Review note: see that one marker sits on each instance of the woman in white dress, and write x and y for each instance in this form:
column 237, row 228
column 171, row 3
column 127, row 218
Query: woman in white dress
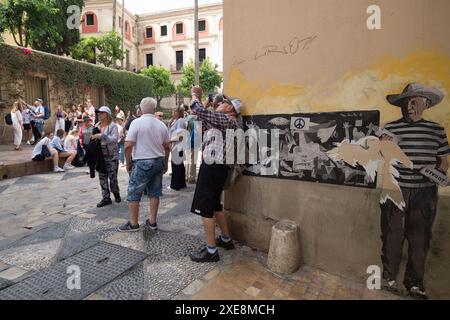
column 17, row 123
column 60, row 116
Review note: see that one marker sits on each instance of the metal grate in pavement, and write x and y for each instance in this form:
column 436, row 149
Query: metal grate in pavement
column 99, row 265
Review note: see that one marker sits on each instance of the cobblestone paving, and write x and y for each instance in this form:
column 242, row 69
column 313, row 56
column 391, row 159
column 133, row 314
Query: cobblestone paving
column 48, row 218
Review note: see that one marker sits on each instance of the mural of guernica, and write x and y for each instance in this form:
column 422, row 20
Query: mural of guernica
column 350, row 148
column 305, row 139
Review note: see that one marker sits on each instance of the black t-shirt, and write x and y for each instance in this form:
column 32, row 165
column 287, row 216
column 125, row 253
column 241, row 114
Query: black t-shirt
column 128, row 123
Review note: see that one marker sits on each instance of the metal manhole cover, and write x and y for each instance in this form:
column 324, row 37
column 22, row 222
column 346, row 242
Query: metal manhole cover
column 99, row 265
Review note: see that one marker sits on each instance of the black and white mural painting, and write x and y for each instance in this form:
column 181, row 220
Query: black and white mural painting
column 305, row 139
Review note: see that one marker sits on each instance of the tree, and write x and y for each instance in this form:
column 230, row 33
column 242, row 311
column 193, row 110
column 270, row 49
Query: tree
column 85, row 50
column 109, row 47
column 42, row 24
column 210, row 78
column 26, row 19
column 59, row 38
column 161, row 84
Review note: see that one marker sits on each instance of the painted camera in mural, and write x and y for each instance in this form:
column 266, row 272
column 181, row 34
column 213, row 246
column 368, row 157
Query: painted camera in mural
column 306, row 139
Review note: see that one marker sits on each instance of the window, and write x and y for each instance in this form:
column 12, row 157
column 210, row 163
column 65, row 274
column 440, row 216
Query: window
column 202, row 55
column 163, row 31
column 149, row 57
column 127, row 26
column 180, row 28
column 179, row 55
column 149, row 32
column 120, row 22
column 202, row 25
column 90, row 19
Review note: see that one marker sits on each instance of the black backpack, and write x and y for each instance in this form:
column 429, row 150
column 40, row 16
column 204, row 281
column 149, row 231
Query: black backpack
column 8, row 119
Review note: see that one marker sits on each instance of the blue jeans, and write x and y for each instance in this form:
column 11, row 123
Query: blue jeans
column 146, row 176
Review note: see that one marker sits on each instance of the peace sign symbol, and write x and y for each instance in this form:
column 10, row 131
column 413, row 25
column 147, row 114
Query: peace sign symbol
column 299, row 123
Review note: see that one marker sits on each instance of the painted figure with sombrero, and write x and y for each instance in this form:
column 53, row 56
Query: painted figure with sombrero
column 426, row 145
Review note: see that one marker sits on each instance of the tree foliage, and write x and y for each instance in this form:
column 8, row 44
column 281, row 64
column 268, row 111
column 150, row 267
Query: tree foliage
column 59, row 38
column 85, row 50
column 210, row 78
column 161, row 84
column 41, row 24
column 109, row 47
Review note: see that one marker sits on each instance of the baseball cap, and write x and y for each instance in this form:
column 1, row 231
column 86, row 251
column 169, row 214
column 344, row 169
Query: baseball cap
column 238, row 105
column 87, row 118
column 39, row 99
column 104, row 109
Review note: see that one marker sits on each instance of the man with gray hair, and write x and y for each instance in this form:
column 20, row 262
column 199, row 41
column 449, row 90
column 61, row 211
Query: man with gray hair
column 147, row 154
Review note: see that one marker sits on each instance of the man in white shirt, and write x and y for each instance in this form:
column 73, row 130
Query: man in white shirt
column 39, row 154
column 147, row 154
column 37, row 118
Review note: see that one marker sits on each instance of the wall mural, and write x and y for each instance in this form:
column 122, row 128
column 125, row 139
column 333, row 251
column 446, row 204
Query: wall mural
column 305, row 140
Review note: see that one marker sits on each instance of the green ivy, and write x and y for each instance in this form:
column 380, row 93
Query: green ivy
column 71, row 77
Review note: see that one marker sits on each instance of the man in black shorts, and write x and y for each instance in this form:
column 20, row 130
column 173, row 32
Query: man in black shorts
column 213, row 173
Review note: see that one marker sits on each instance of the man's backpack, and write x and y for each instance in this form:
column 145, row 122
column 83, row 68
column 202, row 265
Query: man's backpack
column 8, row 119
column 47, row 113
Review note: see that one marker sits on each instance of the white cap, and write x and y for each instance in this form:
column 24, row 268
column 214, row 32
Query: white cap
column 238, row 105
column 105, row 109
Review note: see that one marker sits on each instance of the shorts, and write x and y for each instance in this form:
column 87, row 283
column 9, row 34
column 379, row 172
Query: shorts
column 39, row 157
column 26, row 126
column 146, row 176
column 39, row 126
column 210, row 183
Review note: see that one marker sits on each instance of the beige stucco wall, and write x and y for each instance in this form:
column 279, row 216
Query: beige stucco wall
column 340, row 66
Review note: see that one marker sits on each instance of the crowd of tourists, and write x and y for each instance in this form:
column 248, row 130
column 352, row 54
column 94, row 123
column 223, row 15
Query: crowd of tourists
column 142, row 142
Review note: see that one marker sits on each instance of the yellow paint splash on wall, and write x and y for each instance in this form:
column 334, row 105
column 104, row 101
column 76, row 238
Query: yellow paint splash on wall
column 356, row 90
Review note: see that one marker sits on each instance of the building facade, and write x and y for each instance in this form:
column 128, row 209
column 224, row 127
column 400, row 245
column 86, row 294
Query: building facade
column 160, row 39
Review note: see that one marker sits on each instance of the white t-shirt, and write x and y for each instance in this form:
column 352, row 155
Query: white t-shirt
column 149, row 134
column 38, row 147
column 70, row 143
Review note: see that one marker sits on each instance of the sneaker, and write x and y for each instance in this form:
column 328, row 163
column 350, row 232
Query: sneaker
column 117, row 198
column 390, row 285
column 68, row 166
column 104, row 203
column 153, row 226
column 58, row 169
column 227, row 245
column 128, row 227
column 203, row 255
column 28, row 142
column 418, row 293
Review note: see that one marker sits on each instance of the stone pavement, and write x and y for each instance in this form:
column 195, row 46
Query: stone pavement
column 47, row 219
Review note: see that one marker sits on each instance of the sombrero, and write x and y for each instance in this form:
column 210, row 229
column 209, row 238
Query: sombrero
column 434, row 95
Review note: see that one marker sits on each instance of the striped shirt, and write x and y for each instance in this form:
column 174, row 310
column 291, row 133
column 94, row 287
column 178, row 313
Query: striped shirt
column 422, row 142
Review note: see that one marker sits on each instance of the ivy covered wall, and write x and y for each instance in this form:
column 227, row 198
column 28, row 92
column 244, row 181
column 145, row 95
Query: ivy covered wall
column 68, row 79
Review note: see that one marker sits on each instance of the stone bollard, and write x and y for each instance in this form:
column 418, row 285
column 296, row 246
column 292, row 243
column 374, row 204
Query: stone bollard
column 285, row 250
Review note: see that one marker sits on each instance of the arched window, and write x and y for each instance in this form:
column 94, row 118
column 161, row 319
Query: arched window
column 179, row 31
column 221, row 24
column 90, row 23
